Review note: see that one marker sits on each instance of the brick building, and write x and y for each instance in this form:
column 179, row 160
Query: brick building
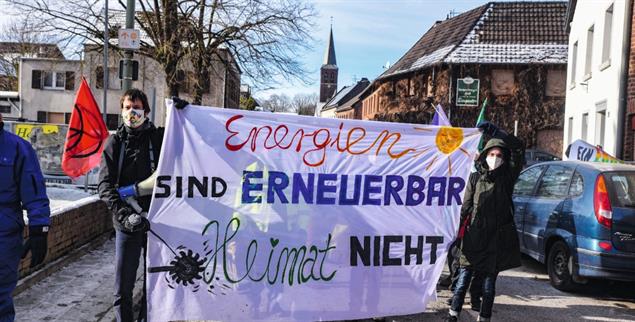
column 516, row 50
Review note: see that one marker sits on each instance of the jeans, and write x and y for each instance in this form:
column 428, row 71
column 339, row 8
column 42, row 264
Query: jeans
column 128, row 248
column 488, row 291
column 10, row 253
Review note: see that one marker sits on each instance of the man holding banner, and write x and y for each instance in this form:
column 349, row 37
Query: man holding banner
column 130, row 156
column 489, row 238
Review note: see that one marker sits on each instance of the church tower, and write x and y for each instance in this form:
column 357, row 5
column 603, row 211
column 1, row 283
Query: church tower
column 328, row 72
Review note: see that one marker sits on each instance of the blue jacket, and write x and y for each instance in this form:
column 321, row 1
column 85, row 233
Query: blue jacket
column 21, row 182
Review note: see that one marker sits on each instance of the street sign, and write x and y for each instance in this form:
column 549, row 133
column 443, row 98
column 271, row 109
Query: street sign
column 467, row 91
column 129, row 39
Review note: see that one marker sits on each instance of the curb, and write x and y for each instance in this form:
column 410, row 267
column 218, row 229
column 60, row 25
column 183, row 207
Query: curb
column 56, row 265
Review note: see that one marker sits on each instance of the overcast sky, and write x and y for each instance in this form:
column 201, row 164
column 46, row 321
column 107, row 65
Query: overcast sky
column 369, row 33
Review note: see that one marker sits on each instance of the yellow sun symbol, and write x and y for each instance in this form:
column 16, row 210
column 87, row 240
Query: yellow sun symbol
column 447, row 140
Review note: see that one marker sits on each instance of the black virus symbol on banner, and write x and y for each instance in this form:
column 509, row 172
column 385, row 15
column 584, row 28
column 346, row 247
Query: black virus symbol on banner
column 185, row 268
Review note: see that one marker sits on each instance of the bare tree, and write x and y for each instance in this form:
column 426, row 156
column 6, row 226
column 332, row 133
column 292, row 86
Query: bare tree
column 304, row 104
column 22, row 38
column 277, row 103
column 265, row 37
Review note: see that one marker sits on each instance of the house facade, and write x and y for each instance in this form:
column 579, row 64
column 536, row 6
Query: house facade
column 514, row 54
column 599, row 42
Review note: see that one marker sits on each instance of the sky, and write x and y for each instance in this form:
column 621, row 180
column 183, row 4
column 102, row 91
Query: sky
column 367, row 34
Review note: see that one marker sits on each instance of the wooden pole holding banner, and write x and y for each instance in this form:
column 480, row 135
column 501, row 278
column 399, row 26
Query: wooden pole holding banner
column 516, row 128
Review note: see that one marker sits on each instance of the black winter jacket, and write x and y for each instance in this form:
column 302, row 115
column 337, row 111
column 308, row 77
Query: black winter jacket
column 490, row 243
column 136, row 164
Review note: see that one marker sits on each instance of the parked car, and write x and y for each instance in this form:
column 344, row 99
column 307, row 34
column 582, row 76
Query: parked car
column 533, row 156
column 578, row 218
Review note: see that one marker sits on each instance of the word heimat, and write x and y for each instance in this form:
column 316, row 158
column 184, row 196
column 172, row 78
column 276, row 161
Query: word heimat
column 322, row 189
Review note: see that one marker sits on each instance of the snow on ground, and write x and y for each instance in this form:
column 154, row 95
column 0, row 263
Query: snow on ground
column 63, row 195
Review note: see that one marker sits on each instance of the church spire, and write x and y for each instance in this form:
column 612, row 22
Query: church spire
column 329, row 54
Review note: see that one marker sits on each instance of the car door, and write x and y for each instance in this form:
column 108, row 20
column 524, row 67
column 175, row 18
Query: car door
column 543, row 210
column 523, row 193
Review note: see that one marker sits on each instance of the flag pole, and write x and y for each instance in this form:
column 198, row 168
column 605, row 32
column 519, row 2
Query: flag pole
column 105, row 66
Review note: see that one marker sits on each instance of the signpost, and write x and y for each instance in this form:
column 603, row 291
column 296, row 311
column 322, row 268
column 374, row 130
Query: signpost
column 467, row 90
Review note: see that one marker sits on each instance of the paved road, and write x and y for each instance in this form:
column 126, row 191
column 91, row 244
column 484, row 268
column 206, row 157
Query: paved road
column 82, row 291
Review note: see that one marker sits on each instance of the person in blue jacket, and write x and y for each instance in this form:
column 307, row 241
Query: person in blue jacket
column 21, row 187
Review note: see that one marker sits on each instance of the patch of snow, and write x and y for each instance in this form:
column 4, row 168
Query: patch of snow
column 509, row 53
column 431, row 58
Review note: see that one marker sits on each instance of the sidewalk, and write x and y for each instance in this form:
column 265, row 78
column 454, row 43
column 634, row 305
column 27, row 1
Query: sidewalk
column 80, row 291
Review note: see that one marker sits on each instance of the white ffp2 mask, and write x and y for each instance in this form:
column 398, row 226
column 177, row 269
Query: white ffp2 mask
column 493, row 162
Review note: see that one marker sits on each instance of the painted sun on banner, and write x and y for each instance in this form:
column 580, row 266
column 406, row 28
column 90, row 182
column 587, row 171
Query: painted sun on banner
column 258, row 216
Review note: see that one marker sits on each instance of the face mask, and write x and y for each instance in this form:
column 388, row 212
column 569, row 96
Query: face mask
column 493, row 162
column 133, row 118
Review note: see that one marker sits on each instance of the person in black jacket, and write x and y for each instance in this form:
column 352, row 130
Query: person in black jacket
column 490, row 242
column 130, row 156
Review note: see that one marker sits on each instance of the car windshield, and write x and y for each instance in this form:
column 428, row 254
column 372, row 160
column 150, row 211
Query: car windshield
column 622, row 187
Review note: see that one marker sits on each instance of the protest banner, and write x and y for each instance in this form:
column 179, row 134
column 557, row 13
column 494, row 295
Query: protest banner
column 584, row 151
column 260, row 216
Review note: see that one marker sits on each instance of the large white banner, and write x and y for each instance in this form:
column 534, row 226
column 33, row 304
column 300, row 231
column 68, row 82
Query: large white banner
column 266, row 217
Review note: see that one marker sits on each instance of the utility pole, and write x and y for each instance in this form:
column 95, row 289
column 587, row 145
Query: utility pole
column 128, row 54
column 105, row 66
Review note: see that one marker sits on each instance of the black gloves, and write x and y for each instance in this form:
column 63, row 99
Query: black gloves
column 179, row 103
column 131, row 221
column 37, row 244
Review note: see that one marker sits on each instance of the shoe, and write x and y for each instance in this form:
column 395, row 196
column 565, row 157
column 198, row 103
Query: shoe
column 475, row 306
column 451, row 318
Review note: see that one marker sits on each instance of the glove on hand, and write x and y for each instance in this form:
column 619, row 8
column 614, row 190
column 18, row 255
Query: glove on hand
column 179, row 103
column 488, row 128
column 37, row 244
column 131, row 221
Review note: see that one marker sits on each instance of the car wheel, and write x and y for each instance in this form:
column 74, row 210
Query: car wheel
column 558, row 267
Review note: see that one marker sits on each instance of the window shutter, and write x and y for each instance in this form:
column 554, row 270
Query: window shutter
column 36, row 78
column 41, row 116
column 99, row 75
column 70, row 81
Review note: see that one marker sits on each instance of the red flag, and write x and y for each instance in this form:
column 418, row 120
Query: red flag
column 86, row 135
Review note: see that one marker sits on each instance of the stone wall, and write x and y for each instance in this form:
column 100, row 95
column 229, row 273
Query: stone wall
column 72, row 227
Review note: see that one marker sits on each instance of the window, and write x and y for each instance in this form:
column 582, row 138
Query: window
column 570, row 131
column 574, row 62
column 113, row 78
column 54, row 80
column 585, row 125
column 589, row 53
column 112, row 121
column 56, row 118
column 527, row 180
column 5, row 109
column 555, row 182
column 577, row 185
column 606, row 45
column 600, row 125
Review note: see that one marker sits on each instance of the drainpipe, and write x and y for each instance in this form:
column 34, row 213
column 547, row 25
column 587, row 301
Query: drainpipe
column 621, row 113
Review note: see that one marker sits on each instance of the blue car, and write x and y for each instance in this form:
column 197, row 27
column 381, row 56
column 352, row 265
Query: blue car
column 578, row 218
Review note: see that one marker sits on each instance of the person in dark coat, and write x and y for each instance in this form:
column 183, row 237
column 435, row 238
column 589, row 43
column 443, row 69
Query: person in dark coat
column 130, row 156
column 21, row 187
column 490, row 243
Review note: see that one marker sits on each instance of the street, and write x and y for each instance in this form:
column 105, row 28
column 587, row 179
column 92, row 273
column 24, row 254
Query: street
column 81, row 291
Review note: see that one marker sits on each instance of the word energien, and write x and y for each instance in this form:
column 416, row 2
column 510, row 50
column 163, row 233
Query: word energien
column 322, row 189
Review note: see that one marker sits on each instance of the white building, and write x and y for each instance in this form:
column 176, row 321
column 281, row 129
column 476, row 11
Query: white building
column 598, row 64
